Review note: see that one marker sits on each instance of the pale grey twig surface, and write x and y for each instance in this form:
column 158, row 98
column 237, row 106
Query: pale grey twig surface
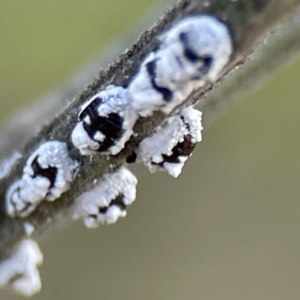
column 251, row 21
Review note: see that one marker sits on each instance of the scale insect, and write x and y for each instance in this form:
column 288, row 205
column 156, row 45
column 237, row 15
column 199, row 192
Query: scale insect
column 192, row 52
column 47, row 174
column 172, row 144
column 105, row 122
column 107, row 200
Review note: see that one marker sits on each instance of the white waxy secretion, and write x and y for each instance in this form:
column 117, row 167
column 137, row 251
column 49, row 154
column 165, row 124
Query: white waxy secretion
column 171, row 145
column 193, row 51
column 105, row 122
column 47, row 174
column 20, row 271
column 106, row 202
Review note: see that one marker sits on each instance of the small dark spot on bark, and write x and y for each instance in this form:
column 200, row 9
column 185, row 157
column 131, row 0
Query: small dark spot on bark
column 131, row 158
column 258, row 4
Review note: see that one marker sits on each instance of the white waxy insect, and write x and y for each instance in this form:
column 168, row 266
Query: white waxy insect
column 106, row 202
column 193, row 51
column 105, row 122
column 171, row 145
column 20, row 271
column 47, row 174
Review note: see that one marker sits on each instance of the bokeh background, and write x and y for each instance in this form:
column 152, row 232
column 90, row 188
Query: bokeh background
column 227, row 228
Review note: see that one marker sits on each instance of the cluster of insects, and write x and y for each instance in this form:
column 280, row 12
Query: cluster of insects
column 192, row 52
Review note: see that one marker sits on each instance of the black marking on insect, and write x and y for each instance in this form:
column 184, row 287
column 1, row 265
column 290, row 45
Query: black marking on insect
column 184, row 148
column 49, row 173
column 193, row 57
column 151, row 69
column 118, row 201
column 91, row 109
column 110, row 126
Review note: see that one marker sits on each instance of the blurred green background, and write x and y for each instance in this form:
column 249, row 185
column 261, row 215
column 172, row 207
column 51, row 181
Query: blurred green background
column 227, row 228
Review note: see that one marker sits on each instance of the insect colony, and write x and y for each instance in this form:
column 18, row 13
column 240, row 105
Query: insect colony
column 191, row 53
